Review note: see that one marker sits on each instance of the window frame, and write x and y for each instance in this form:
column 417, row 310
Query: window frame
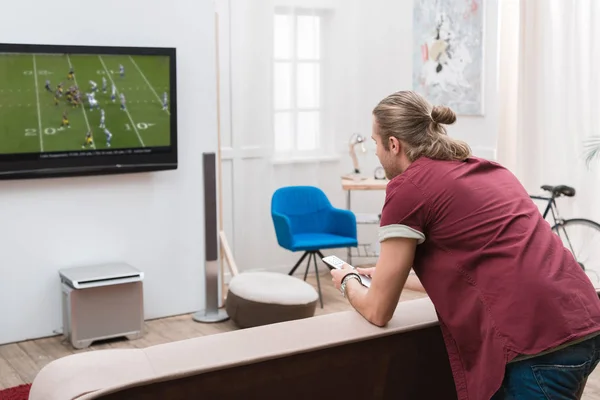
column 294, row 62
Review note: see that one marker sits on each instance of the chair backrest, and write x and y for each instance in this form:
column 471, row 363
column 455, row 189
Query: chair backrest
column 306, row 207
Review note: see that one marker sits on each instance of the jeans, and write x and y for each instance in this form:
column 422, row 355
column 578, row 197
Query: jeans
column 559, row 375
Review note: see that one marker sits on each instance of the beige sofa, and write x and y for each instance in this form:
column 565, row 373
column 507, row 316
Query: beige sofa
column 337, row 355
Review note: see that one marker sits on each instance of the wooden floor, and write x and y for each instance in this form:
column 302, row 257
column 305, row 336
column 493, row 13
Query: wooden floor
column 20, row 362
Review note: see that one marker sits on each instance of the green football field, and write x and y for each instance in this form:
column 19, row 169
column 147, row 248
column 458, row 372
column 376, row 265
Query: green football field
column 30, row 121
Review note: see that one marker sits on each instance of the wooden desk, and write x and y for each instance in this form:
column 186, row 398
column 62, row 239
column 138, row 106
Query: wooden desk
column 364, row 184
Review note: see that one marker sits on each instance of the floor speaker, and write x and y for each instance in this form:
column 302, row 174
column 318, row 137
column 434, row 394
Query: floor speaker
column 212, row 312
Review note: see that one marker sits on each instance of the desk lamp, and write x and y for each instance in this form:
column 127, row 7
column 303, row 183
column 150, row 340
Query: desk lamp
column 356, row 139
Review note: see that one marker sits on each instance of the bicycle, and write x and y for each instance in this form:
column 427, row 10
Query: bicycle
column 573, row 230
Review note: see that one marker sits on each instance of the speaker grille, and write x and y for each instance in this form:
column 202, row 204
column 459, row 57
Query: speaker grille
column 210, row 206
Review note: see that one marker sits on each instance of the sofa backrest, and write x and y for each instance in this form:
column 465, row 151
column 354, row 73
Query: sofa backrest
column 339, row 355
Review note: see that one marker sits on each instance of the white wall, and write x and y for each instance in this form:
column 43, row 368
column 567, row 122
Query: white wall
column 154, row 221
column 371, row 50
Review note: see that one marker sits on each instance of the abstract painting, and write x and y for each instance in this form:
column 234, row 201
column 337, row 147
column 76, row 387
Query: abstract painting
column 448, row 53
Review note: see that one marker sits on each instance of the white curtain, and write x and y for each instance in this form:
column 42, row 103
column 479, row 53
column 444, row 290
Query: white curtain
column 549, row 79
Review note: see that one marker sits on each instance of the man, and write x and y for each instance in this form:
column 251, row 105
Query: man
column 520, row 318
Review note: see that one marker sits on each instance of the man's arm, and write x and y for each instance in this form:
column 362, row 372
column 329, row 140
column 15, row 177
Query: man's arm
column 412, row 282
column 377, row 304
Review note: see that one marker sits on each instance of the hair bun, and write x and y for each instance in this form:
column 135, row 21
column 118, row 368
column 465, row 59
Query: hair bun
column 443, row 115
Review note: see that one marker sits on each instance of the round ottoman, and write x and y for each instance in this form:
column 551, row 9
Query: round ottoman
column 261, row 298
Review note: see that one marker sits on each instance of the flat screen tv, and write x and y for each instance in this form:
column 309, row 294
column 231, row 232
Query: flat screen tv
column 81, row 110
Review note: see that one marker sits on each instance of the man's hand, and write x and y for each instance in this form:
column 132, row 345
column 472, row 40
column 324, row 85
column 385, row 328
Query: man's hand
column 366, row 271
column 338, row 274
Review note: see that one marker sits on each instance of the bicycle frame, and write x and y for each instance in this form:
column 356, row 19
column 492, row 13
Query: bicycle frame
column 550, row 207
column 558, row 221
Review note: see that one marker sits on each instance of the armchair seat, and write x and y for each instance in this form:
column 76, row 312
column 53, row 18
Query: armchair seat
column 319, row 241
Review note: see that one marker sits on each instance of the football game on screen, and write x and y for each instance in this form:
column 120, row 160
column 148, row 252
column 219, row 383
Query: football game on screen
column 69, row 102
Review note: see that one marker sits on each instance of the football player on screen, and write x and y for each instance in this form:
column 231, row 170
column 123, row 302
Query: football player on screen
column 102, row 119
column 108, row 137
column 57, row 95
column 104, row 85
column 65, row 120
column 113, row 96
column 76, row 98
column 93, row 102
column 89, row 140
column 123, row 108
column 122, row 70
column 69, row 95
column 71, row 74
column 165, row 102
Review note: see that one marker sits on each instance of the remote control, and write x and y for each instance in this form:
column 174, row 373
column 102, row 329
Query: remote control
column 335, row 262
column 338, row 263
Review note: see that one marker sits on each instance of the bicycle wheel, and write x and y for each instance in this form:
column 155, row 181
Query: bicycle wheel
column 582, row 237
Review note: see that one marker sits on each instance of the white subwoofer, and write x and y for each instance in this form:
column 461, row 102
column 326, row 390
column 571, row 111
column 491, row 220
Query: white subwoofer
column 102, row 302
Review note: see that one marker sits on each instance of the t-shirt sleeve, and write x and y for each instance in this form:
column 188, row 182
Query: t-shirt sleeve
column 404, row 213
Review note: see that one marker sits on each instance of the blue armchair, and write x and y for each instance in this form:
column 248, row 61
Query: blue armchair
column 306, row 221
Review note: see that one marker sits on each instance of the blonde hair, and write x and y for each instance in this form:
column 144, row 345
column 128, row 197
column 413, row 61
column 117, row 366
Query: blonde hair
column 410, row 118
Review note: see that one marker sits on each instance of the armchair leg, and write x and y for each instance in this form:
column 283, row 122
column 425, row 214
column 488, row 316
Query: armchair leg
column 298, row 263
column 308, row 265
column 312, row 256
column 318, row 281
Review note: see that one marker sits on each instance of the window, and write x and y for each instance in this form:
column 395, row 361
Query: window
column 297, row 81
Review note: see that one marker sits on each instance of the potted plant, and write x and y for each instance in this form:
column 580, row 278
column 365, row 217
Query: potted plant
column 592, row 149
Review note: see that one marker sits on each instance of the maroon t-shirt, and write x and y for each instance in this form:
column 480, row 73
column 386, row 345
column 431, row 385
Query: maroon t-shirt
column 502, row 282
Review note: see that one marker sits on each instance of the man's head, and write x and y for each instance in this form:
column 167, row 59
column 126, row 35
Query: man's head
column 406, row 127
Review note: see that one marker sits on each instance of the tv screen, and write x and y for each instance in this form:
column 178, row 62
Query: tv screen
column 75, row 110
